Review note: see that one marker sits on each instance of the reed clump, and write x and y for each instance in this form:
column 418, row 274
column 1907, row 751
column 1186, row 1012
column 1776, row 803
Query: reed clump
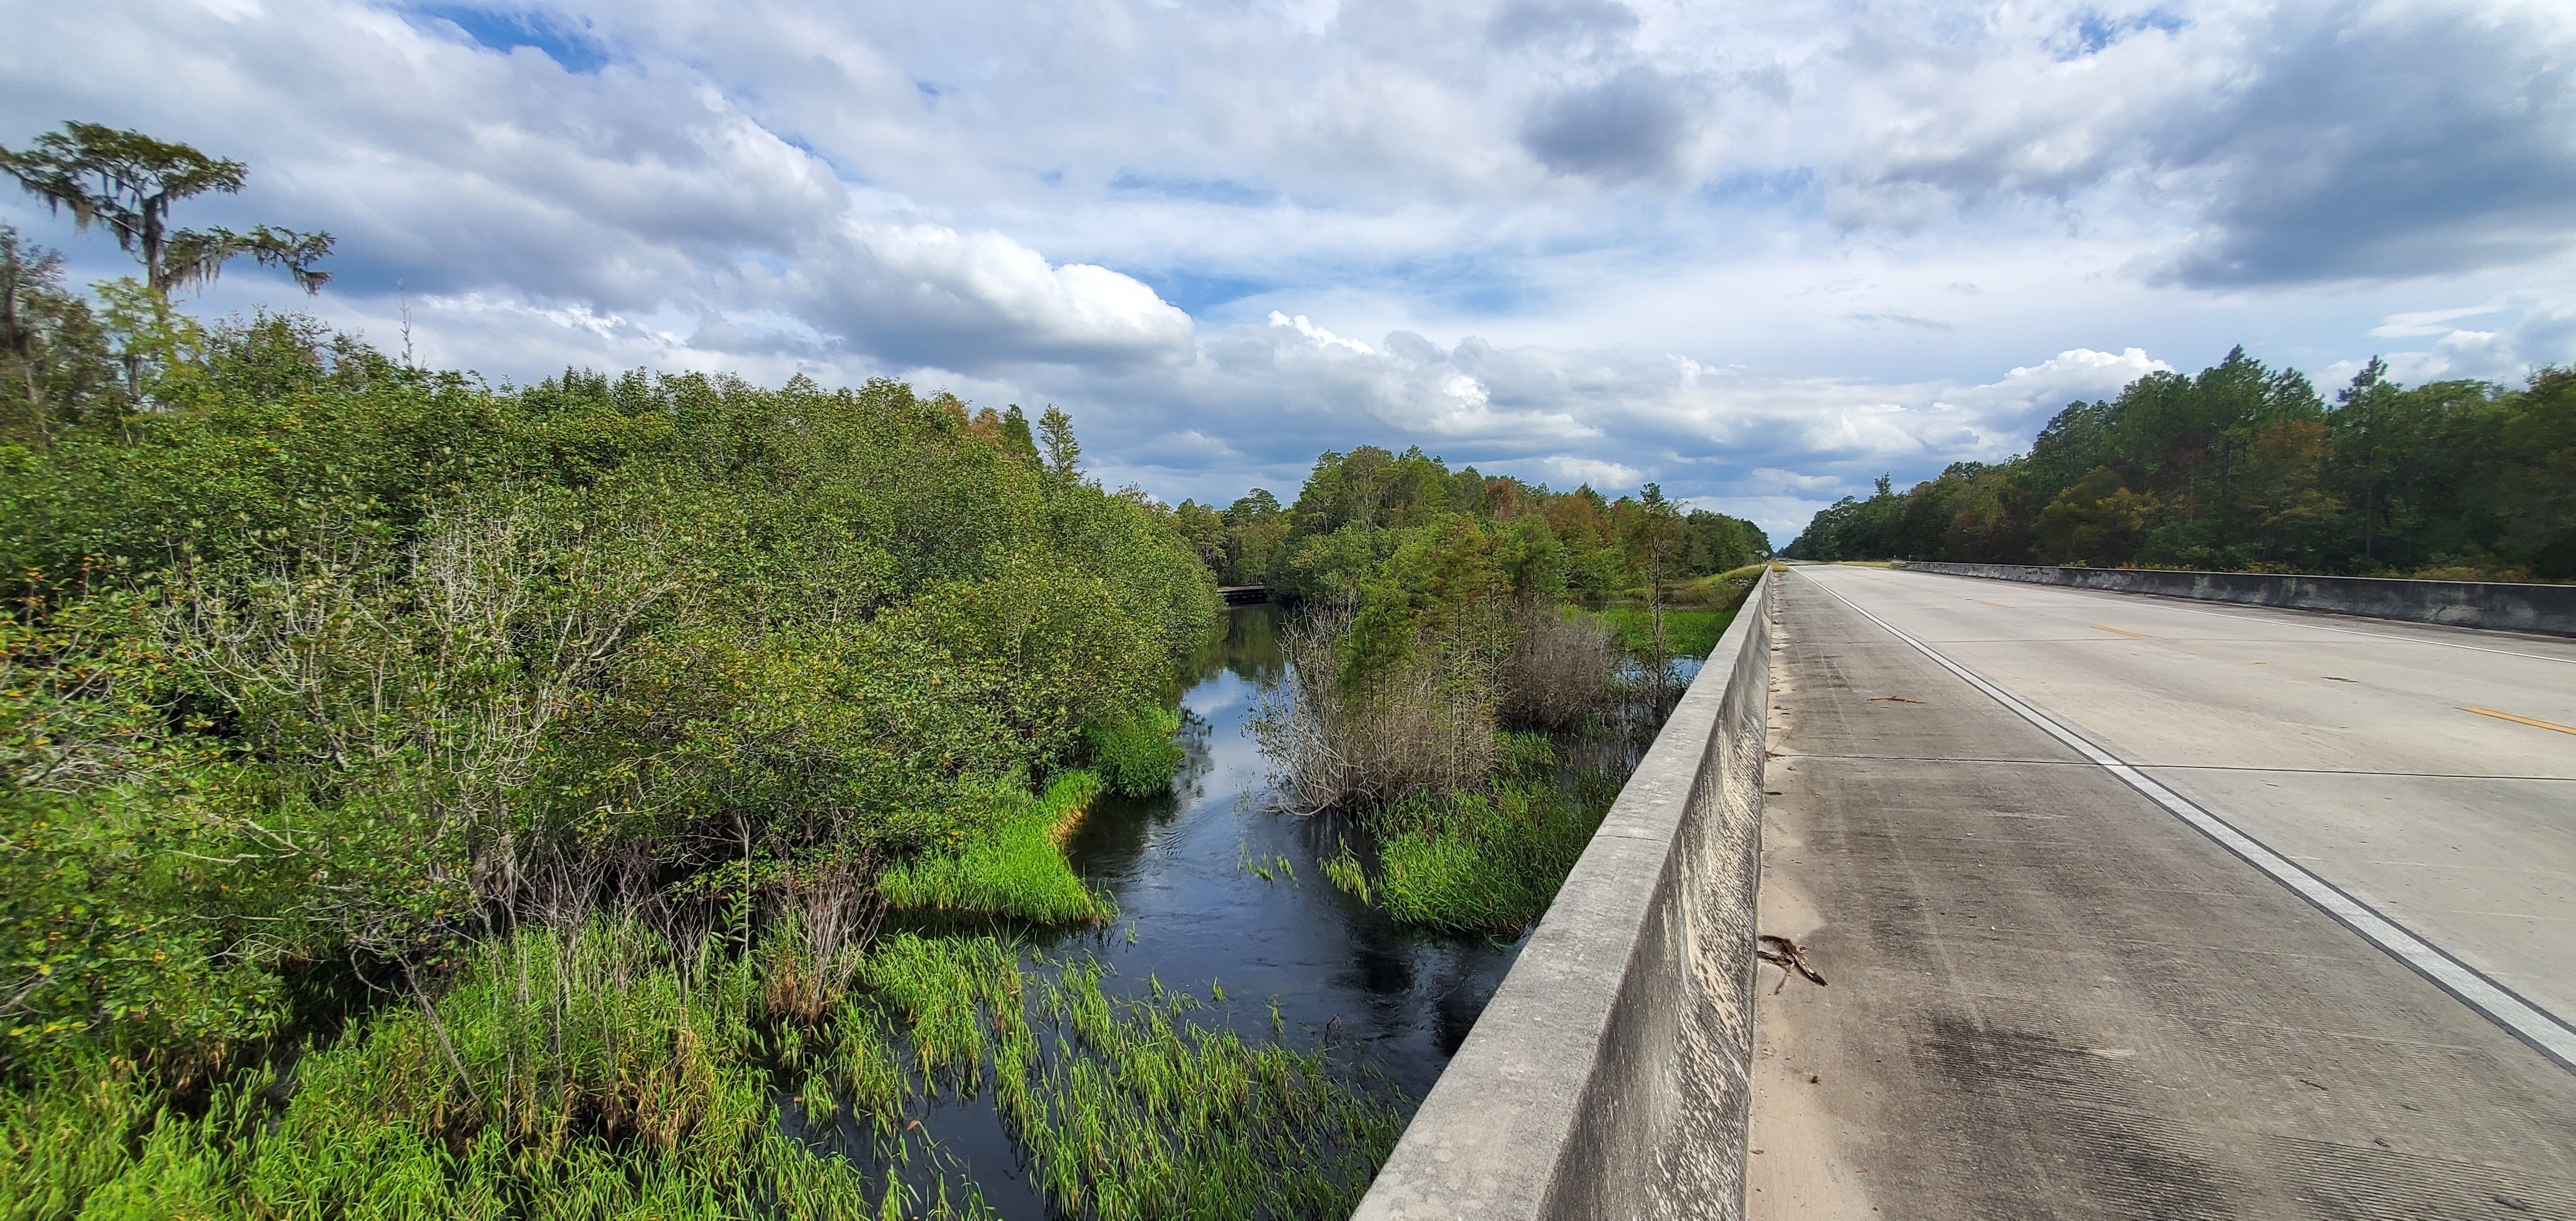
column 589, row 1071
column 1344, row 730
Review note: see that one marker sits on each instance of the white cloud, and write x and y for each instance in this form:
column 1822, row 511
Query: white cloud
column 1611, row 476
column 1823, row 242
column 928, row 293
column 1323, row 338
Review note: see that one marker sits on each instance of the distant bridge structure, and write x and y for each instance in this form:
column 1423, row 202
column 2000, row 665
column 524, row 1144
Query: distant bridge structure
column 1243, row 595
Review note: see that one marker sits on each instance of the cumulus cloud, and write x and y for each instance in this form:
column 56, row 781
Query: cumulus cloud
column 927, row 294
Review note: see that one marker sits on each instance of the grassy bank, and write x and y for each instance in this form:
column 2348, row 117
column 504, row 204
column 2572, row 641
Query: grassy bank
column 1010, row 864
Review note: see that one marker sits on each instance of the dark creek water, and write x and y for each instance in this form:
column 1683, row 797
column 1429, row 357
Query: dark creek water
column 1193, row 912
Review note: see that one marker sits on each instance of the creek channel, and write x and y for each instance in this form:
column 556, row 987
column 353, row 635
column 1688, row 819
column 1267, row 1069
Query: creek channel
column 1185, row 869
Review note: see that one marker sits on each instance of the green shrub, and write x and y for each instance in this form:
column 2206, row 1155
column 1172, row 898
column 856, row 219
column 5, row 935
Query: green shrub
column 1135, row 754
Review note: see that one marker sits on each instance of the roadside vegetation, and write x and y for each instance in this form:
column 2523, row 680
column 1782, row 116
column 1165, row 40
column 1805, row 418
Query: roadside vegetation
column 2243, row 468
column 1474, row 665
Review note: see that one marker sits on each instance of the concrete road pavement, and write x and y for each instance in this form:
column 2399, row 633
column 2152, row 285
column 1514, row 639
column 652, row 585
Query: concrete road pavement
column 2050, row 996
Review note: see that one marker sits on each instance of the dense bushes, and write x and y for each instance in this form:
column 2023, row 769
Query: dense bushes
column 319, row 657
column 2244, row 468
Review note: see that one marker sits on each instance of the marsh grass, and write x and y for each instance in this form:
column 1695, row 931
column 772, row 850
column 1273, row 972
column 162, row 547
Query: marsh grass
column 1493, row 859
column 1125, row 1108
column 595, row 1073
column 565, row 1073
column 1133, row 1112
column 1136, row 755
column 1015, row 868
column 1347, row 875
column 1687, row 632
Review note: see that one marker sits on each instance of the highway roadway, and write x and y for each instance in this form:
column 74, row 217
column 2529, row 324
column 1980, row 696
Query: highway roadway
column 2148, row 908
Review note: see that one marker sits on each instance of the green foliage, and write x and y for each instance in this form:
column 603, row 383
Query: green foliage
column 328, row 657
column 1002, row 859
column 1494, row 859
column 2244, row 468
column 1136, row 755
column 57, row 369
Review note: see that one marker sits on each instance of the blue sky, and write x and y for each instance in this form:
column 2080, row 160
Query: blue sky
column 1759, row 253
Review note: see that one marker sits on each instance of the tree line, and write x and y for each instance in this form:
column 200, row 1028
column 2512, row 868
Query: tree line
column 1356, row 509
column 2246, row 468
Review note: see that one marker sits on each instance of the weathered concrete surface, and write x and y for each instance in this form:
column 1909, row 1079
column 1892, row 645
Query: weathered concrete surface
column 1608, row 1076
column 2050, row 997
column 2491, row 605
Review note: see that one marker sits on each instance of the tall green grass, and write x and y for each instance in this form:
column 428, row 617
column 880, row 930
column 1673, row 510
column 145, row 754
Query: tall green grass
column 586, row 1073
column 1014, row 868
column 1491, row 859
column 597, row 1073
column 1688, row 631
column 1135, row 1113
column 1135, row 754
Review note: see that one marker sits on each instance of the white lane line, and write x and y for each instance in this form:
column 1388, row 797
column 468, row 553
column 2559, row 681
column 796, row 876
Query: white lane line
column 2543, row 1030
column 2239, row 616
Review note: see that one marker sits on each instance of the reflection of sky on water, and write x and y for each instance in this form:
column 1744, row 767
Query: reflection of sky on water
column 1177, row 865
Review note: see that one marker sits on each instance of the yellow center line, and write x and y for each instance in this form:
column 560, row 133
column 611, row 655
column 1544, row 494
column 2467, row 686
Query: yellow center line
column 2005, row 606
column 2099, row 628
column 2519, row 720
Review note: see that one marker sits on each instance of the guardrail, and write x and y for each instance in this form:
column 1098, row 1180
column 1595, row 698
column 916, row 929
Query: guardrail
column 1608, row 1078
column 2498, row 605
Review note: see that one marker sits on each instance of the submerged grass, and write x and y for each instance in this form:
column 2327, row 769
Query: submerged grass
column 1015, row 870
column 1124, row 1108
column 581, row 1073
column 1347, row 875
column 1138, row 1114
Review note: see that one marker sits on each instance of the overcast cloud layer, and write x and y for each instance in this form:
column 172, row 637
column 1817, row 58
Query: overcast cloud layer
column 1760, row 253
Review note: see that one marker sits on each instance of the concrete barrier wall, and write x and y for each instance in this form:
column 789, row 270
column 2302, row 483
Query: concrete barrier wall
column 2479, row 604
column 1609, row 1076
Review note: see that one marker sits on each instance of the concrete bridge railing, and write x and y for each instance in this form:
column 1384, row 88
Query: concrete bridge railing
column 2480, row 604
column 1609, row 1075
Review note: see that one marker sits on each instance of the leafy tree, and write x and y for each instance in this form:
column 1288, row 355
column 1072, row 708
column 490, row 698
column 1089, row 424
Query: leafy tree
column 129, row 181
column 1655, row 533
column 1015, row 431
column 55, row 366
column 1063, row 453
